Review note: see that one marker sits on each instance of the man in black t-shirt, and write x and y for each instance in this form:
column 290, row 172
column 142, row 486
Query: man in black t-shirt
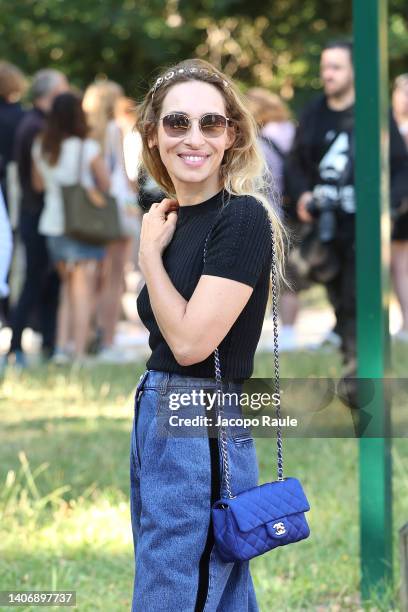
column 321, row 168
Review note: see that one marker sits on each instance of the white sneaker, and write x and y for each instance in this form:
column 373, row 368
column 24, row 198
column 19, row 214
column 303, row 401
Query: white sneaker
column 61, row 358
column 3, row 364
column 401, row 335
column 110, row 354
column 80, row 362
column 287, row 340
column 332, row 339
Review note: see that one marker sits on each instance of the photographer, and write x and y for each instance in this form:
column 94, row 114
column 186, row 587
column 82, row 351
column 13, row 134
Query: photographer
column 321, row 172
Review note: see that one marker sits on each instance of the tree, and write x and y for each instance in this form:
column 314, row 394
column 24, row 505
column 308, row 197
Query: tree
column 273, row 43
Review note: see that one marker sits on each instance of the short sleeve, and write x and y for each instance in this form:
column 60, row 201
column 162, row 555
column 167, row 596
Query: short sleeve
column 92, row 149
column 240, row 242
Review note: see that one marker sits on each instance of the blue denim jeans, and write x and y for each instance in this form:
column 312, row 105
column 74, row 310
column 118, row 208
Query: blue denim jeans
column 175, row 477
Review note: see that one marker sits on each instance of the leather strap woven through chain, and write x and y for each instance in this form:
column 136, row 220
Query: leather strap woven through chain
column 222, row 430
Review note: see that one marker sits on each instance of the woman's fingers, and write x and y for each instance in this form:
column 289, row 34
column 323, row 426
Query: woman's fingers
column 164, row 208
column 166, row 205
column 172, row 216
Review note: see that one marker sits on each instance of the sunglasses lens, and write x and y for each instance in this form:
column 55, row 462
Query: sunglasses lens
column 176, row 124
column 213, row 125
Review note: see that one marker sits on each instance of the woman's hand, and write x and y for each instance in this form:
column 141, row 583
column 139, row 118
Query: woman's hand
column 301, row 208
column 158, row 226
column 96, row 197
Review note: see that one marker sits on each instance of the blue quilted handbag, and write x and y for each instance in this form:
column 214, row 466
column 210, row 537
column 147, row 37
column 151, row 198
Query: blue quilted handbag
column 260, row 519
column 257, row 520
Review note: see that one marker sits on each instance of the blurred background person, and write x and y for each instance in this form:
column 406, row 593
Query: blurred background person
column 63, row 155
column 12, row 87
column 6, row 247
column 40, row 287
column 400, row 104
column 99, row 105
column 276, row 131
column 276, row 134
column 126, row 116
column 399, row 244
column 321, row 170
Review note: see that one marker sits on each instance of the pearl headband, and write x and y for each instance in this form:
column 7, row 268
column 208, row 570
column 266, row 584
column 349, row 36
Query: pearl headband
column 170, row 75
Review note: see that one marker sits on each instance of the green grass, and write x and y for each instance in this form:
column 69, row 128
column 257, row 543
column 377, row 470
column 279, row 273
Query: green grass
column 64, row 508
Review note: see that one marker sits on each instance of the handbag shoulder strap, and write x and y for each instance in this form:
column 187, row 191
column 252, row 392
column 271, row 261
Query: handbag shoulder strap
column 218, row 376
column 274, row 272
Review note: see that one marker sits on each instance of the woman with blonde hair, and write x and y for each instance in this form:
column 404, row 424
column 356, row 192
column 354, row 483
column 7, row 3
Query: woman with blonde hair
column 199, row 144
column 276, row 131
column 99, row 103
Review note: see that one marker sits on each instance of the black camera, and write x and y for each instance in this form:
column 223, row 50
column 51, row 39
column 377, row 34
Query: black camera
column 324, row 209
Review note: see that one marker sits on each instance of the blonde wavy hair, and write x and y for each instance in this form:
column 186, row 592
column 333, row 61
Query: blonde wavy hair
column 242, row 170
column 13, row 83
column 266, row 106
column 99, row 104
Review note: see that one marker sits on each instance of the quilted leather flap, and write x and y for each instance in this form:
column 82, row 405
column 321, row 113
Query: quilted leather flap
column 268, row 502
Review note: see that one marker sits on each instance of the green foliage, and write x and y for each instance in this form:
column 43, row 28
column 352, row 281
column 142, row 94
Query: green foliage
column 273, row 43
column 123, row 40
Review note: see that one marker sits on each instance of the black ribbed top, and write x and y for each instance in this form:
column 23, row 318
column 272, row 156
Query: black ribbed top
column 239, row 248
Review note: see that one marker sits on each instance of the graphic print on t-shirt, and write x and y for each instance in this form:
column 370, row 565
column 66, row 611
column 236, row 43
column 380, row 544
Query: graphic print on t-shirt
column 335, row 175
column 333, row 164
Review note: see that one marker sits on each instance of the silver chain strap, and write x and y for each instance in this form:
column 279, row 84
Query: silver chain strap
column 276, row 359
column 222, row 431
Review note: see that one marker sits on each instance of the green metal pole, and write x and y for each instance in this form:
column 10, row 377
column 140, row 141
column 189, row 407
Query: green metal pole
column 373, row 247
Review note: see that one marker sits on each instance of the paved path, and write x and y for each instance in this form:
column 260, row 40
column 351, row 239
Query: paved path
column 312, row 326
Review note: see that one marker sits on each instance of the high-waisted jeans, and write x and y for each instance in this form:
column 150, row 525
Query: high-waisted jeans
column 175, row 477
